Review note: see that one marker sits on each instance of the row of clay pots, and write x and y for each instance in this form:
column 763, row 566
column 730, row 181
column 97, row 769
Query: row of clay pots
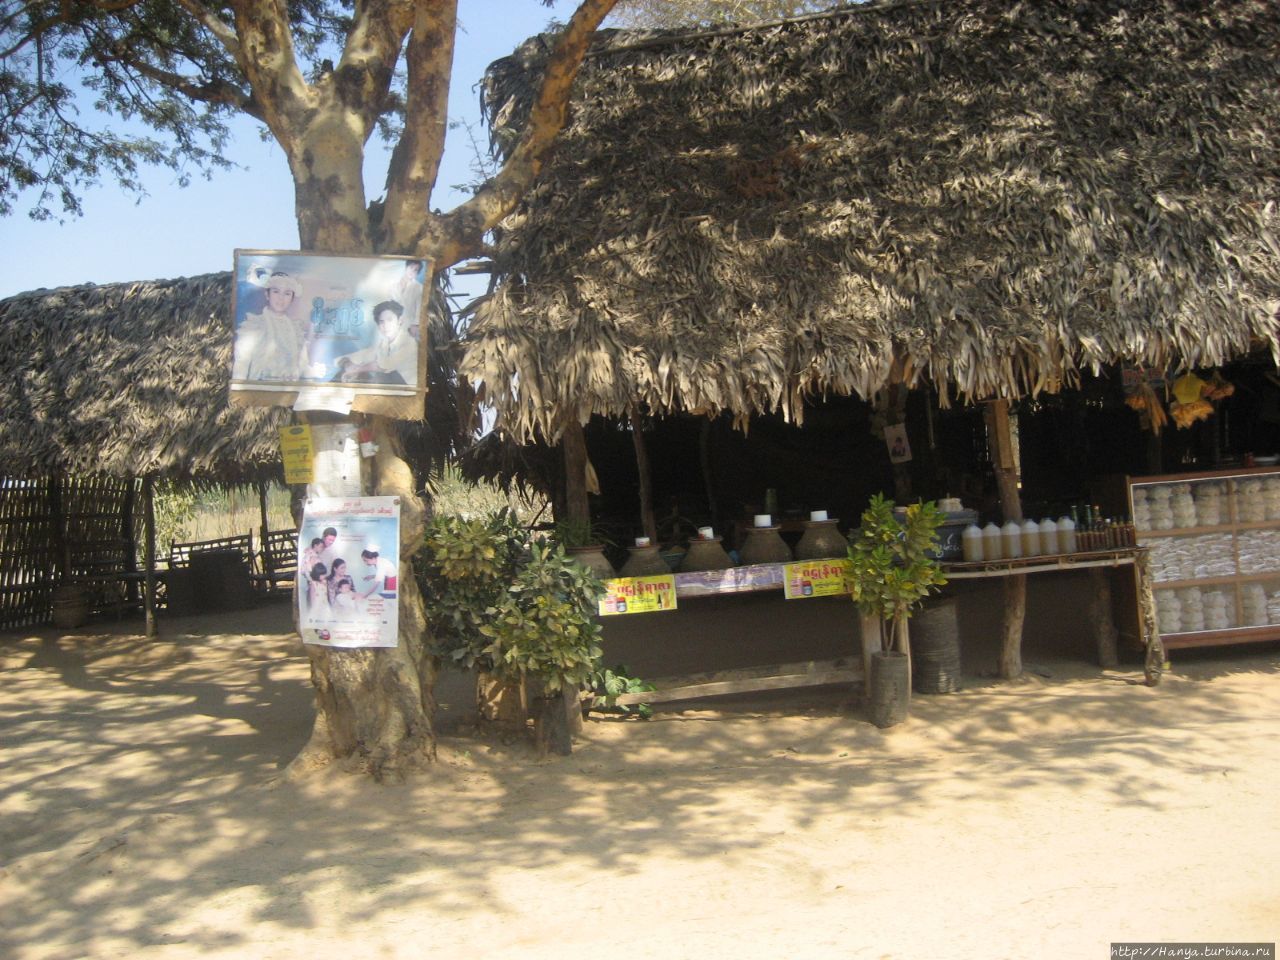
column 821, row 539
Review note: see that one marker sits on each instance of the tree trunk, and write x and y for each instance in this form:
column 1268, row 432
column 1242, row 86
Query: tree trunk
column 374, row 707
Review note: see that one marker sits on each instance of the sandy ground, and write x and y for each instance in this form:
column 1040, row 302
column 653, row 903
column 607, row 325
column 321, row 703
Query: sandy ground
column 1045, row 818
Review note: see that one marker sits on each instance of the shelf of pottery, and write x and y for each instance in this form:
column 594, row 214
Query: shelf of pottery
column 1214, row 542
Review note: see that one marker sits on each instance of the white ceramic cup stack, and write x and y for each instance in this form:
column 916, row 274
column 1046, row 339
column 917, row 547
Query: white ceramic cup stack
column 1209, row 504
column 1192, row 608
column 1250, row 502
column 1168, row 612
column 1253, row 599
column 1161, row 509
column 1141, row 509
column 1271, row 497
column 1217, row 613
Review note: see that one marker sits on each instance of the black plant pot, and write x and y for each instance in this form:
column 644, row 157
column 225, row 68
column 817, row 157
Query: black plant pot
column 888, row 688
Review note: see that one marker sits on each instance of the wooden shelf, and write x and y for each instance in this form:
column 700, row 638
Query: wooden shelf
column 1229, row 534
column 1202, row 531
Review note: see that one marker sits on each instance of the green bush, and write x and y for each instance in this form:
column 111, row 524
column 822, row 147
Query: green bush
column 894, row 562
column 507, row 603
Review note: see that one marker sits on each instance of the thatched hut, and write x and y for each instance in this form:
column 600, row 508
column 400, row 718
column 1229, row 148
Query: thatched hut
column 991, row 195
column 104, row 388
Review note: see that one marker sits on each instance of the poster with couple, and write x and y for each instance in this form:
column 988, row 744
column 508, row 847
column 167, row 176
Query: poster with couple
column 348, row 571
column 326, row 332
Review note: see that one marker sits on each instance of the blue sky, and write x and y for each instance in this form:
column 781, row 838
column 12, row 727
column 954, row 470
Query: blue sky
column 177, row 231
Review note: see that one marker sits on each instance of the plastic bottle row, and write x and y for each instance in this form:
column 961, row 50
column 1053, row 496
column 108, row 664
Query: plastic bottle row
column 1014, row 540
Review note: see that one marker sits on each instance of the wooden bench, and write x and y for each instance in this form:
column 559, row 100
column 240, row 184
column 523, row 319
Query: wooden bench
column 278, row 558
column 180, row 553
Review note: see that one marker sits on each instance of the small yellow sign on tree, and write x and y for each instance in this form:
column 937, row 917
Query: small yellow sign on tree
column 298, row 454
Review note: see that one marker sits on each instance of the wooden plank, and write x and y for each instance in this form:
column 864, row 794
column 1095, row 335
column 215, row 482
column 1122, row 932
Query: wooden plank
column 810, row 673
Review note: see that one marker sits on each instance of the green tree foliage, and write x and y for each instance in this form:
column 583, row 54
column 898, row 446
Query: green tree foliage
column 895, row 562
column 663, row 14
column 510, row 604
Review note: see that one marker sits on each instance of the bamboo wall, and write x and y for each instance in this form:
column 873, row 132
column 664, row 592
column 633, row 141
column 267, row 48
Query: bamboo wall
column 58, row 527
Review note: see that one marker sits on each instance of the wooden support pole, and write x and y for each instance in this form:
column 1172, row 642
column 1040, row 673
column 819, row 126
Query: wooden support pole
column 573, row 444
column 1153, row 663
column 648, row 520
column 149, row 553
column 1000, row 441
column 1103, row 624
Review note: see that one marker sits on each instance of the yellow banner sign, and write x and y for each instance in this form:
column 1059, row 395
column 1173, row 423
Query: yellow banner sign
column 815, row 578
column 298, row 454
column 638, row 595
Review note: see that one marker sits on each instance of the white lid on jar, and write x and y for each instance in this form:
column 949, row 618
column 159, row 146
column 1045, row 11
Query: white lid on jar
column 817, row 514
column 642, row 541
column 763, row 520
column 707, row 533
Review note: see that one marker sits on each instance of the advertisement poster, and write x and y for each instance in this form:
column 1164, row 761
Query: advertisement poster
column 296, row 453
column 348, row 565
column 349, row 328
column 638, row 595
column 895, row 438
column 815, row 578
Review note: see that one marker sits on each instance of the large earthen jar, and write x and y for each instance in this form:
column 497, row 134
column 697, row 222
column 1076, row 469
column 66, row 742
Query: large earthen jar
column 593, row 559
column 644, row 562
column 765, row 545
column 705, row 554
column 821, row 539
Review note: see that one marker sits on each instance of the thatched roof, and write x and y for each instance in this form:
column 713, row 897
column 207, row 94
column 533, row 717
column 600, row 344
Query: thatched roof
column 127, row 379
column 993, row 194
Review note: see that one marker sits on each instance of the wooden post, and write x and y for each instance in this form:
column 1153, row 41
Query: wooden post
column 870, row 627
column 262, row 512
column 149, row 553
column 1100, row 614
column 647, row 518
column 1000, row 440
column 573, row 443
column 1153, row 663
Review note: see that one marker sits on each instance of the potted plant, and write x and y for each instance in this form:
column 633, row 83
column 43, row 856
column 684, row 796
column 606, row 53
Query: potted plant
column 585, row 545
column 517, row 610
column 893, row 566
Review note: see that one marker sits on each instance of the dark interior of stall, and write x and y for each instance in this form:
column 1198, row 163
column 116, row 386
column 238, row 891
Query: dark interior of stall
column 1073, row 446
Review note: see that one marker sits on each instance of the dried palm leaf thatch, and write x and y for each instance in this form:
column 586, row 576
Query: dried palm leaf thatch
column 128, row 379
column 991, row 194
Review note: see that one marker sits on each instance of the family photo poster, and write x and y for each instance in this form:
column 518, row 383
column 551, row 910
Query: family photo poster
column 348, row 571
column 351, row 325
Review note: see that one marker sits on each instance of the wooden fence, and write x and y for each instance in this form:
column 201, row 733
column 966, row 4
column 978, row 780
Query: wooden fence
column 57, row 528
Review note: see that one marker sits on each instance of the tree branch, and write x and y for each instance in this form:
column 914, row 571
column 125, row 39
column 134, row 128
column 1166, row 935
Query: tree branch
column 460, row 233
column 266, row 58
column 215, row 91
column 415, row 161
column 224, row 34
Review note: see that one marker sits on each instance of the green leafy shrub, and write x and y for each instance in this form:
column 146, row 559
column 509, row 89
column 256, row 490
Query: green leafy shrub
column 609, row 684
column 507, row 603
column 895, row 562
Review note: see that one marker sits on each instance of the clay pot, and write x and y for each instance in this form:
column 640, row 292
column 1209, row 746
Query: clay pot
column 644, row 562
column 706, row 554
column 765, row 545
column 821, row 539
column 593, row 558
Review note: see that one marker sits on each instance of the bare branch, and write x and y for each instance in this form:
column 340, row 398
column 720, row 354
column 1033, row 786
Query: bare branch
column 215, row 91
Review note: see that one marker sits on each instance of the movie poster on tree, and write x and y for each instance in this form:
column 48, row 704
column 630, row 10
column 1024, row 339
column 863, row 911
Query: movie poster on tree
column 348, row 571
column 327, row 332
